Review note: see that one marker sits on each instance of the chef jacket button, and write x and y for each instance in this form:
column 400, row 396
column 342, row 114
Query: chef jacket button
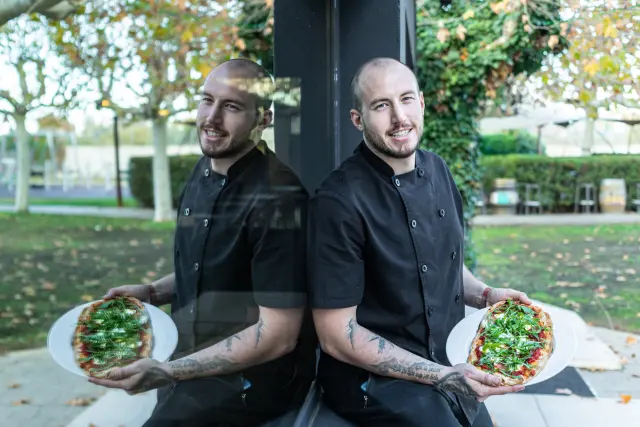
column 397, row 181
column 187, row 211
column 206, row 172
column 457, row 298
column 414, row 223
column 441, row 213
column 453, row 255
column 206, row 222
column 430, row 311
column 193, row 308
column 196, row 266
column 424, row 268
column 420, row 172
column 433, row 352
column 223, row 182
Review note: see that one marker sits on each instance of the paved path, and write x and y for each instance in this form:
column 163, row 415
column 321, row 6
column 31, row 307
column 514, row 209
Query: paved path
column 557, row 219
column 35, row 391
column 480, row 220
column 56, row 192
column 87, row 211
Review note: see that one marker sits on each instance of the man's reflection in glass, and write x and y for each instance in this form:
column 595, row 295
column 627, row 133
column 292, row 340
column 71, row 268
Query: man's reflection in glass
column 238, row 292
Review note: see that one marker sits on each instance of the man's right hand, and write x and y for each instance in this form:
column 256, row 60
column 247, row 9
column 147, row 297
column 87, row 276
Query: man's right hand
column 466, row 380
column 141, row 292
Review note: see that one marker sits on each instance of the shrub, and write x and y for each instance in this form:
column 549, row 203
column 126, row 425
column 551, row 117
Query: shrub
column 512, row 142
column 558, row 177
column 141, row 177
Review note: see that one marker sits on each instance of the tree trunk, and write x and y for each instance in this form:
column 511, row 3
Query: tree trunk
column 161, row 176
column 10, row 9
column 587, row 141
column 23, row 165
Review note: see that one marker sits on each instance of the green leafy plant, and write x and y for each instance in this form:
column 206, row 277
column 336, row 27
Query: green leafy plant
column 467, row 52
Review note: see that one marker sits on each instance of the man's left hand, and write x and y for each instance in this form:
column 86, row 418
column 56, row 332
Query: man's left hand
column 498, row 294
column 142, row 375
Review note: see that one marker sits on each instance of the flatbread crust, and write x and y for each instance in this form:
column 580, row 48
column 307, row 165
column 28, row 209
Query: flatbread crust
column 80, row 349
column 538, row 359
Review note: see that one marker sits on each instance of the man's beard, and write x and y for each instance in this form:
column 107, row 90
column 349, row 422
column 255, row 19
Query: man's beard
column 233, row 149
column 377, row 141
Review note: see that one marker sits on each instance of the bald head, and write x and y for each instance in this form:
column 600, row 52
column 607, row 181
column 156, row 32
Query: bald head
column 387, row 64
column 246, row 75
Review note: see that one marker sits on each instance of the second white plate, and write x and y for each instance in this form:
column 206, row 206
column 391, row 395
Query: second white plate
column 461, row 337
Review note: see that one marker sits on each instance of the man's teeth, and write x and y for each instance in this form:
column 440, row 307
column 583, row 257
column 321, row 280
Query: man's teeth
column 213, row 133
column 401, row 133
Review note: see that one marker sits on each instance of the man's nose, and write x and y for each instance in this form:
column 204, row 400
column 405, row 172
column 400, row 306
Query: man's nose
column 215, row 114
column 398, row 115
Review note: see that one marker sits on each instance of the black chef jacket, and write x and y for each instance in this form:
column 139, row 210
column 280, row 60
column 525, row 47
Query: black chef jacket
column 240, row 243
column 393, row 246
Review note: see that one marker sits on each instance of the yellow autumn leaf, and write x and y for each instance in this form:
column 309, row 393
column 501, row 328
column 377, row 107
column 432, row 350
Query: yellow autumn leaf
column 468, row 14
column 461, row 32
column 553, row 41
column 592, row 67
column 497, row 7
column 240, row 44
column 631, row 340
column 625, row 398
column 610, row 31
column 87, row 298
column 442, row 35
column 204, row 69
column 187, row 36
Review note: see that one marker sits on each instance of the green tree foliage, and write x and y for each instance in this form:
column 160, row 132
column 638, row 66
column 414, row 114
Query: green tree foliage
column 510, row 142
column 466, row 52
column 255, row 32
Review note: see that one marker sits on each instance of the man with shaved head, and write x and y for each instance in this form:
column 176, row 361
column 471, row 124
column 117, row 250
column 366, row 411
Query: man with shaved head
column 386, row 270
column 246, row 344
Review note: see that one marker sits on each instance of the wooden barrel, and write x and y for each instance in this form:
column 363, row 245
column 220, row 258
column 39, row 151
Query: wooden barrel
column 504, row 197
column 613, row 195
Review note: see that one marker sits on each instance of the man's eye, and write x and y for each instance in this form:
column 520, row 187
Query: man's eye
column 377, row 107
column 408, row 98
column 232, row 107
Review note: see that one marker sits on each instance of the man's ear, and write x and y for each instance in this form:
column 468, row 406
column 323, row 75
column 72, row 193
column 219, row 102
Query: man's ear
column 265, row 118
column 422, row 102
column 356, row 119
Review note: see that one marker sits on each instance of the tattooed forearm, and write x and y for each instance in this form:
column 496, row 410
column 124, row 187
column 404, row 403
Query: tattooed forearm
column 259, row 330
column 382, row 343
column 455, row 382
column 419, row 370
column 229, row 342
column 191, row 367
column 351, row 332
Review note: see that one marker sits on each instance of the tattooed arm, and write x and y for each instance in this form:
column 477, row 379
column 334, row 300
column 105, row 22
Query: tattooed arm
column 274, row 335
column 343, row 338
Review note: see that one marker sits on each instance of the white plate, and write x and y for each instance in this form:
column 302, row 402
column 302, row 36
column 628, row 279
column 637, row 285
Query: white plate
column 565, row 342
column 59, row 341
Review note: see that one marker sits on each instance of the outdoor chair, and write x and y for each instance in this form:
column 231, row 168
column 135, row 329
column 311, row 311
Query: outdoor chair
column 585, row 199
column 532, row 198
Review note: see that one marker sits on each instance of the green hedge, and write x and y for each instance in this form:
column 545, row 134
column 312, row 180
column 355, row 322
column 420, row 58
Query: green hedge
column 558, row 177
column 510, row 142
column 141, row 177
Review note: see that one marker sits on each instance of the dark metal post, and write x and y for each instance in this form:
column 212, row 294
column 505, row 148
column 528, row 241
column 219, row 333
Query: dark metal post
column 322, row 43
column 116, row 141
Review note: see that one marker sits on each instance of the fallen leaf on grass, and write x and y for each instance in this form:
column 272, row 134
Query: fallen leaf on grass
column 630, row 271
column 157, row 241
column 80, row 401
column 625, row 257
column 6, row 315
column 588, row 239
column 631, row 340
column 13, row 385
column 637, row 314
column 621, row 279
column 625, row 398
column 497, row 251
column 87, row 298
column 565, row 241
column 20, row 402
column 152, row 274
column 564, row 284
column 559, row 255
column 533, row 254
column 29, row 291
column 133, row 243
column 564, row 391
column 564, row 295
column 587, row 251
column 48, row 286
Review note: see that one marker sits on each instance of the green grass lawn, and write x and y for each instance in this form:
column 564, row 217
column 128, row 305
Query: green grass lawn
column 88, row 201
column 49, row 264
column 594, row 270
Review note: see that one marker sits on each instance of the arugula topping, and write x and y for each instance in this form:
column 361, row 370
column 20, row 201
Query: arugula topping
column 511, row 339
column 112, row 333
